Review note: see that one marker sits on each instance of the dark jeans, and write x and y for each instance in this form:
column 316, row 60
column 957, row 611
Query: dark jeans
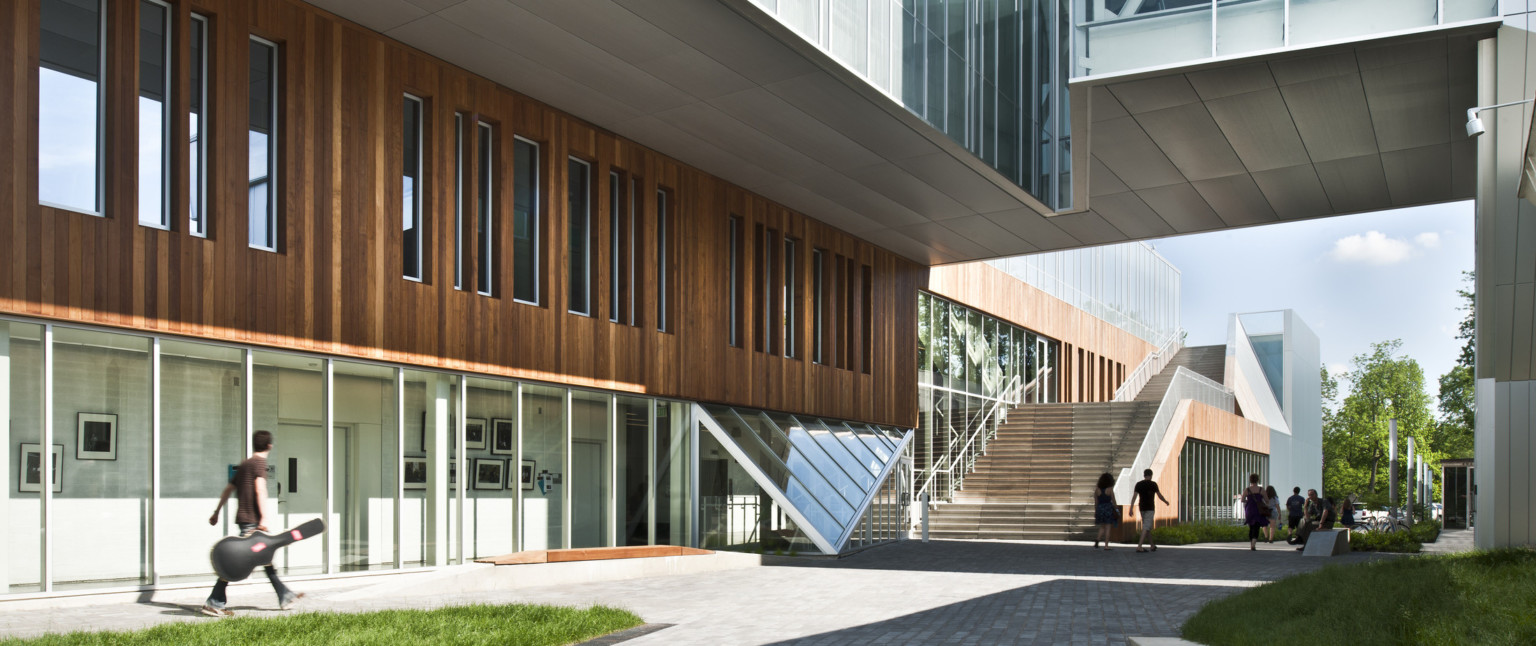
column 217, row 598
column 1294, row 521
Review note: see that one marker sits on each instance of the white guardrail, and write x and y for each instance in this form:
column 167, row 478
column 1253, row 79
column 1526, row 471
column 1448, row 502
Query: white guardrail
column 1149, row 367
column 956, row 464
column 1186, row 384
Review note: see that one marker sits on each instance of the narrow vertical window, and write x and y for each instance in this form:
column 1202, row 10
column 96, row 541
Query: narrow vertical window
column 663, row 220
column 759, row 281
column 840, row 283
column 154, row 114
column 818, row 305
column 410, row 187
column 525, row 221
column 791, row 298
column 768, row 246
column 867, row 317
column 485, row 211
column 197, row 127
column 631, row 258
column 578, row 185
column 69, row 101
column 615, row 258
column 262, row 159
column 733, row 243
column 458, row 200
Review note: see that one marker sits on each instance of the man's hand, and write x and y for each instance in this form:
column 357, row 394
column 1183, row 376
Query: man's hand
column 214, row 519
column 261, row 527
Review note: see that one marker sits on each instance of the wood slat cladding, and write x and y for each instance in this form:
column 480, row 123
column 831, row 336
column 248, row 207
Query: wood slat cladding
column 1089, row 344
column 1194, row 420
column 335, row 283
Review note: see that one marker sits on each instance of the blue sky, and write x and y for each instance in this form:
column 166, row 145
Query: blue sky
column 1355, row 280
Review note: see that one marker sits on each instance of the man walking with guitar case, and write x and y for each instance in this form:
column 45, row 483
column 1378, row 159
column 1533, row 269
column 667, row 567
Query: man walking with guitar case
column 249, row 485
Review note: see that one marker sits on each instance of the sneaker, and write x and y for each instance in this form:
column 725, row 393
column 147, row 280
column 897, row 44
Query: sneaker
column 216, row 612
column 288, row 602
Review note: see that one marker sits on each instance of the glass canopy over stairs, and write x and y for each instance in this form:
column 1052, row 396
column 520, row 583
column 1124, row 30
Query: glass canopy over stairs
column 778, row 482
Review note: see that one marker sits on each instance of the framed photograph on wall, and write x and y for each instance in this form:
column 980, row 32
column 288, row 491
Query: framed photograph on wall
column 503, row 437
column 528, row 469
column 415, row 473
column 96, row 437
column 30, row 474
column 474, row 434
column 489, row 473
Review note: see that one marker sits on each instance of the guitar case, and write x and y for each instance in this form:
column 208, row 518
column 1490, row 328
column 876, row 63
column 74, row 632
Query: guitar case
column 235, row 557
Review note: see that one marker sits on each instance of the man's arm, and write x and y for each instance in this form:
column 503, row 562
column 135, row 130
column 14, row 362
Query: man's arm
column 261, row 503
column 1133, row 498
column 223, row 498
column 1160, row 497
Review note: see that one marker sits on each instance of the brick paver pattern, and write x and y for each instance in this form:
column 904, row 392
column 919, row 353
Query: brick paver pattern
column 943, row 592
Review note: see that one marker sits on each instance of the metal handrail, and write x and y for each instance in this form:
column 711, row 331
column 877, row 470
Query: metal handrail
column 964, row 455
column 1150, row 367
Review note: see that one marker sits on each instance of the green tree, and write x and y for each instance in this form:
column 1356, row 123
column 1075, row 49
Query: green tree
column 1382, row 385
column 1458, row 413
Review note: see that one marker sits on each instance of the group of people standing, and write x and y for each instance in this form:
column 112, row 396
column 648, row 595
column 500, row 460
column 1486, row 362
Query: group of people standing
column 1261, row 511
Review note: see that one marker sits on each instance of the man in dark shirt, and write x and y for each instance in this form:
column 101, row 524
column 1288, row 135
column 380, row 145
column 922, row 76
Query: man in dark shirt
column 249, row 486
column 1295, row 505
column 1144, row 491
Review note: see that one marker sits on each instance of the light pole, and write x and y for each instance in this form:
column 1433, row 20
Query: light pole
column 1413, row 480
column 1392, row 467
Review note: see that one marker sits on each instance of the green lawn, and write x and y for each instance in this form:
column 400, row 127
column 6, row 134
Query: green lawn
column 522, row 625
column 1472, row 598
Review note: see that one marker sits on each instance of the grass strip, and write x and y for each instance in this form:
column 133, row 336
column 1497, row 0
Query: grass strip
column 1469, row 598
column 517, row 624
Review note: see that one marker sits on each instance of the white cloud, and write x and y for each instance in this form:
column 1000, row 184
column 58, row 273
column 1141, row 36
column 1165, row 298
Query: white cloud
column 1428, row 240
column 1373, row 248
column 1338, row 369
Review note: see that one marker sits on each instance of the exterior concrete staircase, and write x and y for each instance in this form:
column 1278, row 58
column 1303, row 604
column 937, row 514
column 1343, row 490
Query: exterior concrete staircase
column 1036, row 479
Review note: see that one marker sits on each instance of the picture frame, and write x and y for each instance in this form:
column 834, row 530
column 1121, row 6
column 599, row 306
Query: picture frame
column 414, row 476
column 96, row 436
column 490, row 473
column 503, row 439
column 475, row 434
column 29, row 476
column 529, row 467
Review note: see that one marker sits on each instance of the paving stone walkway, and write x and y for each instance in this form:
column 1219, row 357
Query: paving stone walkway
column 943, row 592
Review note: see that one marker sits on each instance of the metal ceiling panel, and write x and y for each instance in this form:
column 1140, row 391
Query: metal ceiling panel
column 1294, row 192
column 980, row 230
column 1355, row 184
column 710, row 124
column 1408, row 103
column 798, row 197
column 1182, row 207
column 1258, row 126
column 909, row 247
column 777, row 119
column 608, row 26
column 1131, row 216
column 671, row 140
column 1237, row 200
column 720, row 33
column 1192, row 141
column 1372, row 57
column 1105, row 105
column 863, row 199
column 1155, row 93
column 845, row 111
column 973, row 191
column 434, row 5
column 1463, row 169
column 1289, row 71
column 1228, row 81
column 1102, row 180
column 1034, row 229
column 696, row 74
column 1418, row 175
column 1332, row 117
column 947, row 242
column 1089, row 227
column 1123, row 147
column 900, row 186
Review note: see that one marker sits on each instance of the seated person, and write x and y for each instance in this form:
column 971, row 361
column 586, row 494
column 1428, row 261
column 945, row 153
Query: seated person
column 1325, row 516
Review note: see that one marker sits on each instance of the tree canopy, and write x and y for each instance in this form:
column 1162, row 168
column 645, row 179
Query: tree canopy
column 1383, row 385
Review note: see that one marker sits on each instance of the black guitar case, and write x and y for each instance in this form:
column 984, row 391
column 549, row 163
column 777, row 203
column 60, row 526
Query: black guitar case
column 235, row 557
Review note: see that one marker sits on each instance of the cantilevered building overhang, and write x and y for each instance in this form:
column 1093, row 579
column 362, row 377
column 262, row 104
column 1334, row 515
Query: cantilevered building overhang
column 1301, row 122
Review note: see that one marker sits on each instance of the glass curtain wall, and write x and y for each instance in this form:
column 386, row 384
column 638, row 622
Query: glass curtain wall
column 1212, row 478
column 1130, row 285
column 544, row 442
column 967, row 362
column 365, row 459
column 22, row 458
column 990, row 74
column 672, row 491
column 589, row 472
column 202, row 433
column 491, row 503
column 289, row 399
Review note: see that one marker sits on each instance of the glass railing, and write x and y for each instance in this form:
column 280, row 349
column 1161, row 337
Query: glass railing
column 1118, row 36
column 1186, row 384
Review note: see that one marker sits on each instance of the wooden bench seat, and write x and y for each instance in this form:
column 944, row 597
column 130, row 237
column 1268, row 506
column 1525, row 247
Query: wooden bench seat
column 591, row 554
